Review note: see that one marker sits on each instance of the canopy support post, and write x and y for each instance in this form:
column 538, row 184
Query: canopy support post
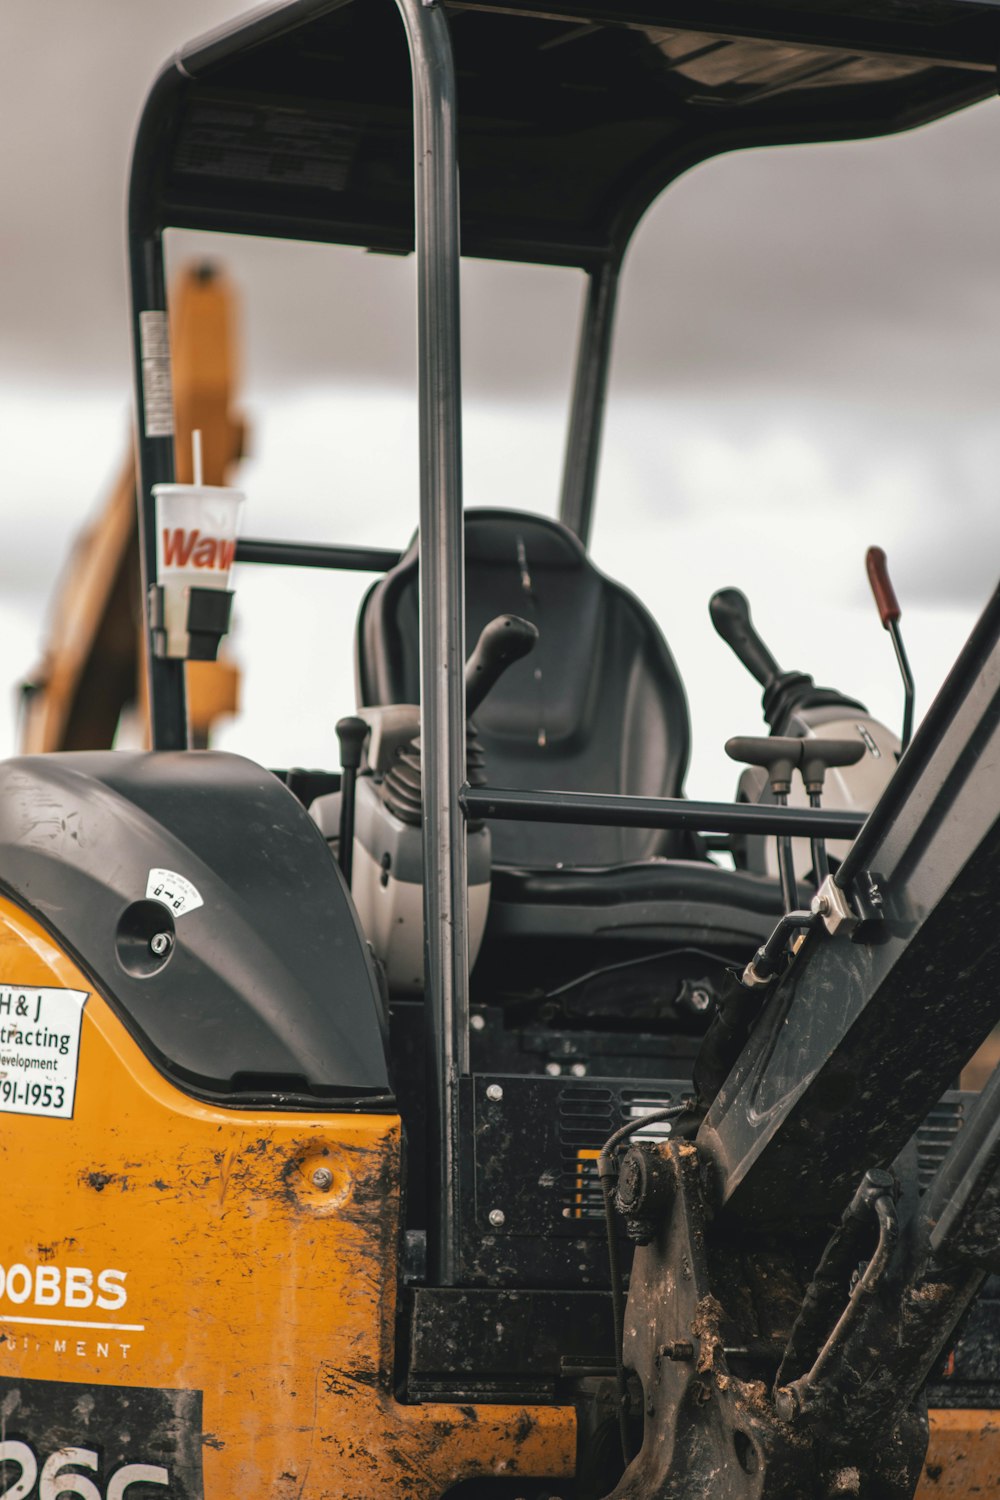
column 154, row 429
column 583, row 441
column 442, row 618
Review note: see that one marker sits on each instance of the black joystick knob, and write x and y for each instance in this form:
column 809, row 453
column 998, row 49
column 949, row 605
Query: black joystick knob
column 820, row 756
column 503, row 641
column 775, row 754
column 351, row 735
column 730, row 614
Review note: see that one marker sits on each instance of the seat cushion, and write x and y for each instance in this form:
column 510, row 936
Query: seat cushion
column 659, row 899
column 647, row 945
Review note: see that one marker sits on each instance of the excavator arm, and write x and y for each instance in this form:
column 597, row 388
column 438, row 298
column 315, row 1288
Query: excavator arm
column 792, row 1289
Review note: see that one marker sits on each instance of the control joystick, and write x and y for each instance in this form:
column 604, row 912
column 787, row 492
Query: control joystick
column 502, row 642
column 730, row 612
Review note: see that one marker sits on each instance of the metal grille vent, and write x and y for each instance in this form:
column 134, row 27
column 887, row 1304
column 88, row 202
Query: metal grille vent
column 935, row 1135
column 587, row 1116
column 635, row 1104
column 589, row 1112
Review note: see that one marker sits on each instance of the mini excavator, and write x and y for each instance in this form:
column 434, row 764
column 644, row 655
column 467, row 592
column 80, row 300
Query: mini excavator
column 483, row 1118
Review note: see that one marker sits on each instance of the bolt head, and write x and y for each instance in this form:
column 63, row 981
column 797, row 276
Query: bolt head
column 786, row 1405
column 553, row 1069
column 160, row 943
column 497, row 1218
column 477, row 1023
column 701, row 999
column 679, row 1350
column 494, row 1092
column 323, row 1179
column 579, row 1070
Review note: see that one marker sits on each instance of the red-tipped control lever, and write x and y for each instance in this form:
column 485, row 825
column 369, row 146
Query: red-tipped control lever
column 889, row 613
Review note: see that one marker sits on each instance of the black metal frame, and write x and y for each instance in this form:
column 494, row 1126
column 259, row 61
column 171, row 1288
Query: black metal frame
column 889, row 995
column 315, row 555
column 446, row 802
column 915, row 986
column 608, row 810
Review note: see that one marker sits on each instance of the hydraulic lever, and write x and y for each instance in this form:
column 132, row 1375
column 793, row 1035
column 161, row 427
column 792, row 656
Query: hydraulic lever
column 730, row 612
column 785, row 693
column 502, row 642
column 779, row 756
column 889, row 613
column 351, row 735
column 819, row 756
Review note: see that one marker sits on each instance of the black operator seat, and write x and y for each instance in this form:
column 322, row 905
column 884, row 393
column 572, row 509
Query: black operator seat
column 598, row 706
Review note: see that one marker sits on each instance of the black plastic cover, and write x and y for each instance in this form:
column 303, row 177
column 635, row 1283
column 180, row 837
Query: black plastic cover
column 267, row 992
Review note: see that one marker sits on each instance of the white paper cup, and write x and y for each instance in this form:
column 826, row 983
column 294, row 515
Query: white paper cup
column 196, row 527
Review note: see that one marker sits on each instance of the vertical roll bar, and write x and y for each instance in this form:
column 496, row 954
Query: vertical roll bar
column 583, row 441
column 442, row 614
column 154, row 431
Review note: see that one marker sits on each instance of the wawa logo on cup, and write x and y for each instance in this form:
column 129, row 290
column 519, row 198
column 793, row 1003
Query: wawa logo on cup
column 195, row 545
column 181, row 548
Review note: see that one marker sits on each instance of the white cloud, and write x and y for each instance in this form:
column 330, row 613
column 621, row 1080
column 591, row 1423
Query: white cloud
column 780, row 500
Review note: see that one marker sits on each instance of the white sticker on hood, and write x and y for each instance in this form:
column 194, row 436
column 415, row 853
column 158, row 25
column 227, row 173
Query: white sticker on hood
column 173, row 891
column 39, row 1047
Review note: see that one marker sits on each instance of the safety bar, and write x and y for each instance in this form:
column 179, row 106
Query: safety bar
column 611, row 810
column 315, row 555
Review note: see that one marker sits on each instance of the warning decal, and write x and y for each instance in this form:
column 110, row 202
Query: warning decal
column 173, row 891
column 157, row 391
column 39, row 1049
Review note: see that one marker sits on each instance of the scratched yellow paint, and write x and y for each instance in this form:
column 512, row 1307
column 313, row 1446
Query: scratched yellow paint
column 963, row 1460
column 242, row 1279
column 274, row 1299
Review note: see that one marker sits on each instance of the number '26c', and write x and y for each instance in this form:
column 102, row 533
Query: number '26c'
column 59, row 1475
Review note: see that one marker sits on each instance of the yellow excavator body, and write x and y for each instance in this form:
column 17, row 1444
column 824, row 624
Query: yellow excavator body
column 159, row 1240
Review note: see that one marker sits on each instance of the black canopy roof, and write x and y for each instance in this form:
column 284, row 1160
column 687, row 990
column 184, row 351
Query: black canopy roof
column 573, row 115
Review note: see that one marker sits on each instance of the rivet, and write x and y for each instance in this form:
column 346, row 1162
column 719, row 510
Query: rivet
column 497, row 1218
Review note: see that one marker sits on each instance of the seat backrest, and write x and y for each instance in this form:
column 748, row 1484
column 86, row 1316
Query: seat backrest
column 597, row 706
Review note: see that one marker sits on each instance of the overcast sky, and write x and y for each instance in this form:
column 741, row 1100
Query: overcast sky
column 807, row 362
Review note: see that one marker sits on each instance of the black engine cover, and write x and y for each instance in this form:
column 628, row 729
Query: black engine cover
column 265, row 992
